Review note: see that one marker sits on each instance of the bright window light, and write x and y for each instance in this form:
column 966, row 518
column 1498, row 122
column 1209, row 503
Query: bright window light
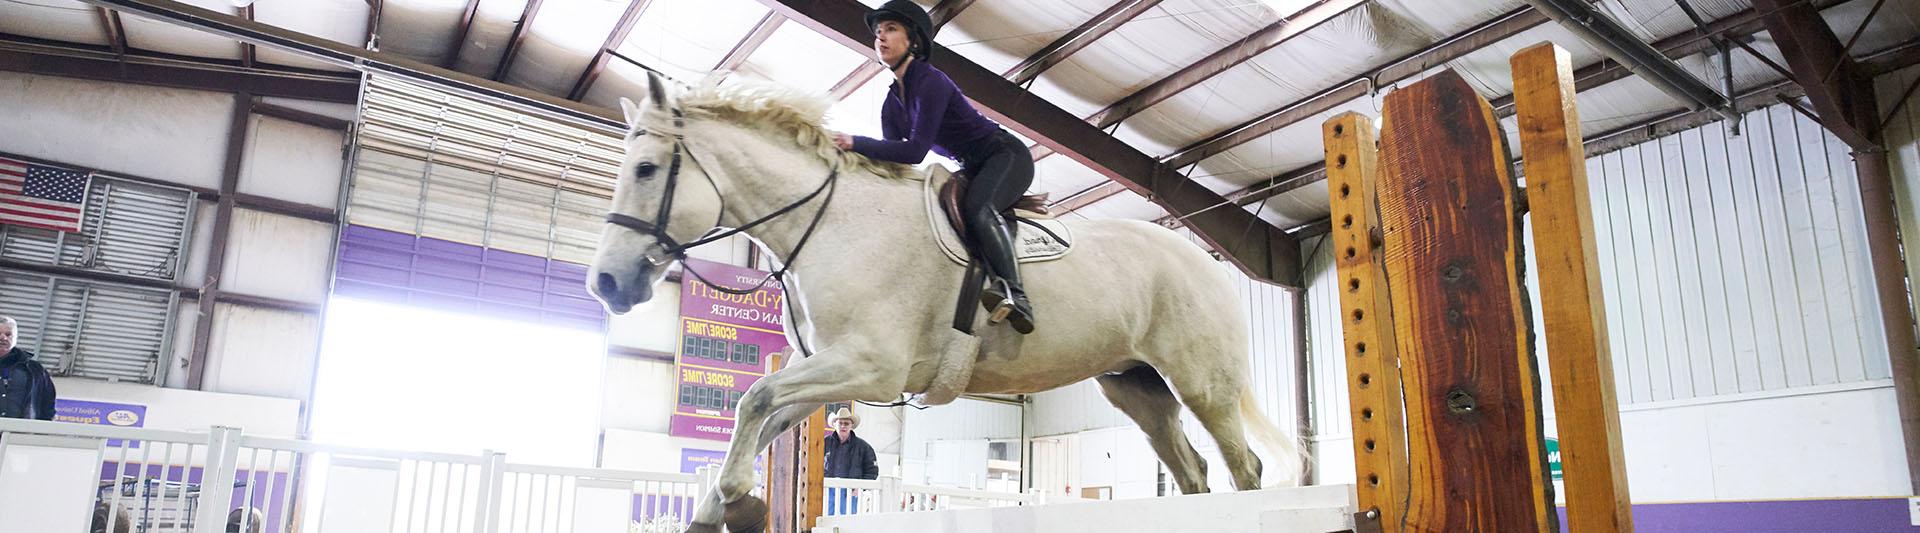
column 406, row 378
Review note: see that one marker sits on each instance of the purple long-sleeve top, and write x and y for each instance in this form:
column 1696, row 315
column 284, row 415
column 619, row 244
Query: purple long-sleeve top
column 933, row 115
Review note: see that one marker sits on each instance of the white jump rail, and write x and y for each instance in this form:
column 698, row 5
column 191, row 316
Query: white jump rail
column 129, row 480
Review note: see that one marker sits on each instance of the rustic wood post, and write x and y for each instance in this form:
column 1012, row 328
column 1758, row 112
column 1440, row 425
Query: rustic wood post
column 1373, row 375
column 1570, row 296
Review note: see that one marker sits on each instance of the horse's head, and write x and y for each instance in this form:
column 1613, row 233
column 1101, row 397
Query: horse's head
column 661, row 199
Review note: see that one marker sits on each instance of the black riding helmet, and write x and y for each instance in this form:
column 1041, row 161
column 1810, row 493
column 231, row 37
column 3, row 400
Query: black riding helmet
column 919, row 25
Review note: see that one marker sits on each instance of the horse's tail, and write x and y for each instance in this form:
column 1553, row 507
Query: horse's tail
column 1287, row 454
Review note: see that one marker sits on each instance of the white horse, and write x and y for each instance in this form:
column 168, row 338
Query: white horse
column 1134, row 306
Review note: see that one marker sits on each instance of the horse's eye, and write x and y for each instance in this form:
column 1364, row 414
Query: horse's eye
column 645, row 170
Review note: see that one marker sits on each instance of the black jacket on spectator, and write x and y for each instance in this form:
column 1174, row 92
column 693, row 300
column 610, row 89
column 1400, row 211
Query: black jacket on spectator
column 851, row 459
column 26, row 389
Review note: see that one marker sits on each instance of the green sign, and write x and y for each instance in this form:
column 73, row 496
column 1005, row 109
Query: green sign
column 1553, row 458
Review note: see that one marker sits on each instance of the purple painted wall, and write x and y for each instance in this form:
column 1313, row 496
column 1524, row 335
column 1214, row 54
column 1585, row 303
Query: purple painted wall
column 396, row 267
column 1888, row 515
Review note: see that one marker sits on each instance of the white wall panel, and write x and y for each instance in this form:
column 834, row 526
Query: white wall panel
column 176, row 409
column 290, row 161
column 1072, row 409
column 175, row 135
column 1903, row 155
column 639, row 394
column 963, row 419
column 277, row 256
column 186, row 314
column 263, row 352
column 654, row 325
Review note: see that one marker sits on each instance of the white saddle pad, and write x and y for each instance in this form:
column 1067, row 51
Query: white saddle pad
column 1034, row 245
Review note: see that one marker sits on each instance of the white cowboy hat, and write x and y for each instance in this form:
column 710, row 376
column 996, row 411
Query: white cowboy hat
column 834, row 419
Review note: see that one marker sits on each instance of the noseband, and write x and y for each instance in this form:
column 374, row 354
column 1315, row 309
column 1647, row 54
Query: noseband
column 666, row 250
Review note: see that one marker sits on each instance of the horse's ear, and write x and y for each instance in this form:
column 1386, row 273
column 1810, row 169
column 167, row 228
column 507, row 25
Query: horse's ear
column 657, row 91
column 631, row 111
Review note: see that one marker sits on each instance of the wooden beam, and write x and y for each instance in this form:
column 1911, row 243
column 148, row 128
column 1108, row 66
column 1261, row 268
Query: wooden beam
column 518, row 38
column 1258, row 248
column 1366, row 311
column 1086, row 197
column 460, row 36
column 1575, row 313
column 304, row 117
column 946, row 11
column 116, row 33
column 1845, row 101
column 374, row 9
column 854, row 80
column 621, row 30
column 246, row 48
column 222, row 227
column 742, row 50
column 263, row 302
column 163, row 70
column 1452, row 248
column 1088, row 32
column 1229, row 57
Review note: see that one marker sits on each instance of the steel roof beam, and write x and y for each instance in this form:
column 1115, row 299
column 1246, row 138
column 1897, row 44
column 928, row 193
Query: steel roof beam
column 1619, row 44
column 1258, row 248
column 229, row 26
column 941, row 14
column 460, row 37
column 116, row 34
column 1233, row 55
column 160, row 70
column 519, row 37
column 1092, row 30
column 614, row 38
column 742, row 50
column 1842, row 94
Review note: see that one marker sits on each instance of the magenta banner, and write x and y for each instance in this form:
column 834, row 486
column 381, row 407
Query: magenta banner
column 724, row 343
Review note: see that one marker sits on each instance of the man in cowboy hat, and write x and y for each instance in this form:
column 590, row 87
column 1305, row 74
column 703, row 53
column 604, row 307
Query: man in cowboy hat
column 848, row 456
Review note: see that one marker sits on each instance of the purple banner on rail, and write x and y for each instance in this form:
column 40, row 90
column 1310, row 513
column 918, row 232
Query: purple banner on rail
column 725, row 341
column 101, row 414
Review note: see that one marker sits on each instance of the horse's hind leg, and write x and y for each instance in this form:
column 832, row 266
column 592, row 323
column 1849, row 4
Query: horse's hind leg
column 1215, row 400
column 1144, row 397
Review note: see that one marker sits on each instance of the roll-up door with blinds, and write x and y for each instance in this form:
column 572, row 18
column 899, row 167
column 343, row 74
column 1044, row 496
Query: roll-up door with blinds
column 85, row 327
column 438, row 165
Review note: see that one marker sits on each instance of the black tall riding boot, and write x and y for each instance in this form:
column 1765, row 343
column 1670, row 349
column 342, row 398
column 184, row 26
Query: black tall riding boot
column 1004, row 296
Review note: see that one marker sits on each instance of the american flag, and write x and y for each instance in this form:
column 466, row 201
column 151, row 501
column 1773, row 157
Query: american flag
column 41, row 196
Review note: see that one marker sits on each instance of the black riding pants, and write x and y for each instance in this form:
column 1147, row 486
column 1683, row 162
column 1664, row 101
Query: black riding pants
column 1001, row 169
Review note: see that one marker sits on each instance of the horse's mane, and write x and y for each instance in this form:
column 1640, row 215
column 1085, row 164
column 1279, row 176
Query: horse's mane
column 786, row 110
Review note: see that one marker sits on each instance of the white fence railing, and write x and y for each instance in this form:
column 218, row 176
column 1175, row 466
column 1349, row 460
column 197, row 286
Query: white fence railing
column 107, row 479
column 71, row 477
column 890, row 495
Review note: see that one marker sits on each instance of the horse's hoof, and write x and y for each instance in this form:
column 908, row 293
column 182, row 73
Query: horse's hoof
column 702, row 528
column 747, row 515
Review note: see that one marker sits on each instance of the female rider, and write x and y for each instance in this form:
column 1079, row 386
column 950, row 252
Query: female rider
column 925, row 110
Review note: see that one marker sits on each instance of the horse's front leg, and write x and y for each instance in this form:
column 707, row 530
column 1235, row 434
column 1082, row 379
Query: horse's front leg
column 771, row 406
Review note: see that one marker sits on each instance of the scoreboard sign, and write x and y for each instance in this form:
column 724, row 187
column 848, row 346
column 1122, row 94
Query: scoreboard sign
column 724, row 339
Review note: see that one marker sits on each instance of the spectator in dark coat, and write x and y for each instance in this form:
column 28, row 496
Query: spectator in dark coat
column 849, row 456
column 26, row 388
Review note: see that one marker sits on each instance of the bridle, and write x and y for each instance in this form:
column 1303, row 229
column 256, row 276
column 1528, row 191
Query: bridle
column 666, row 250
